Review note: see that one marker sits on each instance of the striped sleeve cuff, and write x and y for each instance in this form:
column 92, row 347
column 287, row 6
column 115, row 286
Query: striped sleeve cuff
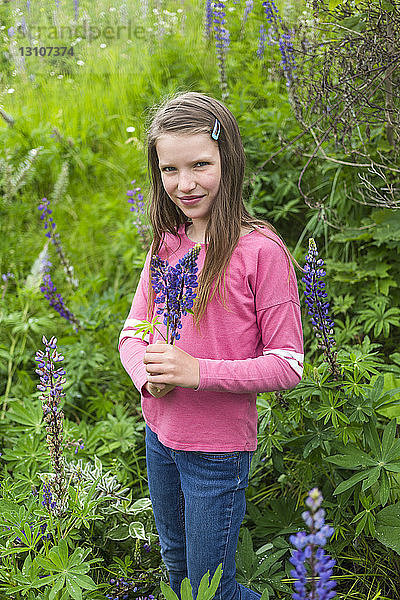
column 129, row 332
column 295, row 359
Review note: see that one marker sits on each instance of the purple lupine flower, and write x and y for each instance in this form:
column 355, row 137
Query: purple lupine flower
column 175, row 285
column 122, row 586
column 136, row 199
column 247, row 10
column 79, row 445
column 51, row 385
column 28, row 5
column 222, row 40
column 49, row 225
column 7, row 276
column 208, row 19
column 222, row 35
column 48, row 497
column 55, row 300
column 288, row 61
column 321, row 563
column 272, row 13
column 11, row 31
column 76, row 9
column 23, row 26
column 318, row 309
column 261, row 43
column 284, row 42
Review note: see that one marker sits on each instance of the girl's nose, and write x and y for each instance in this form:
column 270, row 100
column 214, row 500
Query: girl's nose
column 185, row 182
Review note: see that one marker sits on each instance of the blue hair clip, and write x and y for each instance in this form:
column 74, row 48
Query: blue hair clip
column 216, row 130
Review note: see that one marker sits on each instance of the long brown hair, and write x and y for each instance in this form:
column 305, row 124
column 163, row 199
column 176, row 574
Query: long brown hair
column 187, row 114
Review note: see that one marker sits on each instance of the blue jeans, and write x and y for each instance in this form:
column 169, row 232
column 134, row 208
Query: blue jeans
column 199, row 504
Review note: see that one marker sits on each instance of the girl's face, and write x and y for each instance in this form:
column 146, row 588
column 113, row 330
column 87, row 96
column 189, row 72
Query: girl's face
column 190, row 165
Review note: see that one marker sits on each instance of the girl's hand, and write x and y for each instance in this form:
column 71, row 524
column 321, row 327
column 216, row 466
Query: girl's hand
column 168, row 364
column 158, row 391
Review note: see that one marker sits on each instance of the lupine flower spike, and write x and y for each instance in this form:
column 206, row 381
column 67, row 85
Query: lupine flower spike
column 222, row 40
column 51, row 385
column 55, row 300
column 284, row 42
column 175, row 285
column 261, row 42
column 208, row 20
column 247, row 10
column 321, row 564
column 136, row 199
column 49, row 225
column 76, row 9
column 317, row 308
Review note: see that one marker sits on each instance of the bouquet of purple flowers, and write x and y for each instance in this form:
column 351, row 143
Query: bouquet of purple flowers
column 174, row 286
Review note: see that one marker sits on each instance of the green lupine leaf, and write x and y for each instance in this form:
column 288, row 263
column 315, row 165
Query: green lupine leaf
column 394, row 453
column 389, row 434
column 372, row 478
column 358, row 517
column 392, row 467
column 349, row 483
column 63, row 548
column 371, row 526
column 210, row 593
column 168, row 592
column 55, row 559
column 353, row 459
column 74, row 589
column 269, row 562
column 65, row 595
column 57, row 587
column 265, row 594
column 361, row 524
column 387, row 526
column 186, row 589
column 45, row 563
column 30, row 417
column 372, row 437
column 86, row 582
column 384, row 490
column 246, row 552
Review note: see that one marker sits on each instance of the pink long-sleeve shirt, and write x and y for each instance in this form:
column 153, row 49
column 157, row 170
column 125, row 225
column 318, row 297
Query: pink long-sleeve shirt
column 256, row 347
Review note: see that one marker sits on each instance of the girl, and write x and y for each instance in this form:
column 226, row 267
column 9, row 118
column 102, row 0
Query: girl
column 198, row 397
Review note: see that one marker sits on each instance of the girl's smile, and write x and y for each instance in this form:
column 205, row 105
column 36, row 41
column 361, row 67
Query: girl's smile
column 190, row 168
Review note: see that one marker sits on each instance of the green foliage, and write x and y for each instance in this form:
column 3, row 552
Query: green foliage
column 263, row 576
column 205, row 591
column 383, row 459
column 338, row 435
column 388, row 526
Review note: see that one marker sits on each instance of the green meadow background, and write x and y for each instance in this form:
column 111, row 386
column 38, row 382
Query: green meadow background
column 72, row 130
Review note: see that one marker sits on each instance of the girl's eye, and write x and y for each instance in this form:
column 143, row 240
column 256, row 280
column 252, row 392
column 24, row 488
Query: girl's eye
column 201, row 162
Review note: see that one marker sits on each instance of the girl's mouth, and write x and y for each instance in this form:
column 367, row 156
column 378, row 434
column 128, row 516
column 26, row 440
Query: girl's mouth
column 191, row 200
